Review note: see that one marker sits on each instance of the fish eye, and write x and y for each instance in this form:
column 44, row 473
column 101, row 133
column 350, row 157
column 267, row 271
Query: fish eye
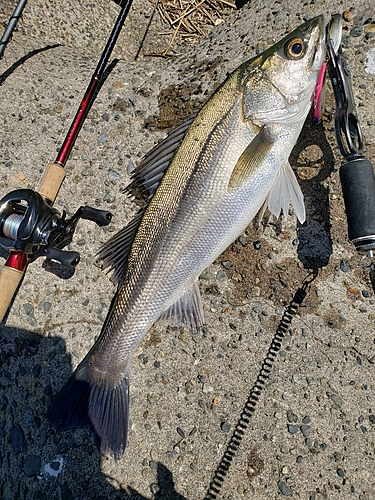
column 294, row 48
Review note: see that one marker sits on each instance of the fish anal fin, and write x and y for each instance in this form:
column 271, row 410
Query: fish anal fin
column 186, row 310
column 286, row 190
column 251, row 158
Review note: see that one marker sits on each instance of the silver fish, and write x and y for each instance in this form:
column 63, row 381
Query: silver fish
column 207, row 180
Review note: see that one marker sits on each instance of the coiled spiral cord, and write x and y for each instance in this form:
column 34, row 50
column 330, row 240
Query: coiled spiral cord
column 255, row 393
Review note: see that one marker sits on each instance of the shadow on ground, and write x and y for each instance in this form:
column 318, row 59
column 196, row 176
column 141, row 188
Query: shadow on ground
column 23, row 59
column 37, row 463
column 313, row 159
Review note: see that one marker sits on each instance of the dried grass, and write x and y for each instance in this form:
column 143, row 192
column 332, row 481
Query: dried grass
column 190, row 20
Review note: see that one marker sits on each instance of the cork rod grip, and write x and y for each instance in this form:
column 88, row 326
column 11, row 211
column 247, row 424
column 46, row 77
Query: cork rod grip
column 9, row 281
column 51, row 181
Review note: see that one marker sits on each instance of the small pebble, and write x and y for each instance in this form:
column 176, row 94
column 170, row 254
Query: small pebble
column 114, row 176
column 32, row 465
column 292, row 417
column 207, row 388
column 180, row 432
column 103, row 138
column 29, row 310
column 285, row 490
column 340, row 472
column 372, row 419
column 356, row 31
column 227, row 264
column 257, row 245
column 292, row 429
column 221, row 275
column 55, row 465
column 226, row 427
column 17, row 438
column 344, row 266
column 36, row 370
column 336, row 399
column 306, row 430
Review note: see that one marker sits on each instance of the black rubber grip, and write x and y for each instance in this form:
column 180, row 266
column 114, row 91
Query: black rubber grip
column 358, row 187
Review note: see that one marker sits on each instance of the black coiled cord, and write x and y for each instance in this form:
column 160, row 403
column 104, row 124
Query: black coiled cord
column 255, row 393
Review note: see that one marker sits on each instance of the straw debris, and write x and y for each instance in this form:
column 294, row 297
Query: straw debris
column 190, row 20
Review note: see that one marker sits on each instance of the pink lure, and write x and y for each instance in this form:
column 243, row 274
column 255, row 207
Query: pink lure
column 319, row 98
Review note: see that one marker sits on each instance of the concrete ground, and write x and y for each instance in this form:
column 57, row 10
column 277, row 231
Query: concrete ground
column 312, row 434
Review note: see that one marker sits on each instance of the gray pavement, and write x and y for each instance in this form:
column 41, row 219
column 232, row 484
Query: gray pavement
column 312, row 434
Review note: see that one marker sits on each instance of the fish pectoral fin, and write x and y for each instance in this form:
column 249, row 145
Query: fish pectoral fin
column 286, row 189
column 251, row 158
column 187, row 309
column 114, row 253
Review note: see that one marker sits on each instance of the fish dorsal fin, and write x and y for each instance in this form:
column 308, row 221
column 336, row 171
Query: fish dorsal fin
column 251, row 158
column 114, row 253
column 187, row 309
column 286, row 189
column 150, row 171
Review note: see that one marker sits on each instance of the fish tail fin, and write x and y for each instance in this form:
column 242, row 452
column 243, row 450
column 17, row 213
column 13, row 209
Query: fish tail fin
column 101, row 406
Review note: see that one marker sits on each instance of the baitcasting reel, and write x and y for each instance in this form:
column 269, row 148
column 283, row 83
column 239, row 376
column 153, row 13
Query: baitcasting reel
column 28, row 224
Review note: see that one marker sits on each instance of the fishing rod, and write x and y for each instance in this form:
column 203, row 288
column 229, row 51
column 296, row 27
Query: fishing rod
column 11, row 25
column 29, row 226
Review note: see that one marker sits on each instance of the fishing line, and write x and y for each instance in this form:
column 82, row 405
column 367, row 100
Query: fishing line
column 255, row 393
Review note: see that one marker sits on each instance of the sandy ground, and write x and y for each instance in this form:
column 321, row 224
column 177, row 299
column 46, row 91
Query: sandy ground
column 312, row 434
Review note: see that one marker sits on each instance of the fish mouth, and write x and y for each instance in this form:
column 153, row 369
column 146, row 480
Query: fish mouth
column 320, row 52
column 333, row 31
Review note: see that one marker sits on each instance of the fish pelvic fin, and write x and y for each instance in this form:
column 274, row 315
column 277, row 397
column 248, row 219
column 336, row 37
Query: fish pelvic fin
column 251, row 158
column 187, row 310
column 97, row 405
column 286, row 189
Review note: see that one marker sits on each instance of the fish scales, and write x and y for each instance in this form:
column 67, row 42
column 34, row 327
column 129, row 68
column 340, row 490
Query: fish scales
column 169, row 225
column 232, row 160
